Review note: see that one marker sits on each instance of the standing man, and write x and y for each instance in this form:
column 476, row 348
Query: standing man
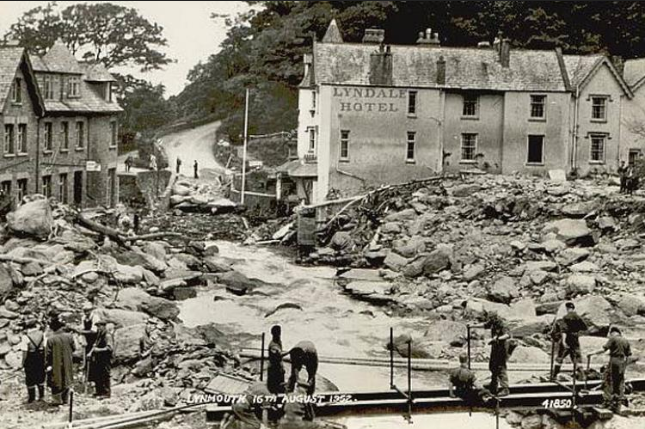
column 147, row 361
column 614, row 381
column 196, row 169
column 275, row 370
column 60, row 348
column 572, row 324
column 153, row 162
column 100, row 358
column 622, row 172
column 499, row 353
column 90, row 320
column 128, row 163
column 178, row 165
column 33, row 360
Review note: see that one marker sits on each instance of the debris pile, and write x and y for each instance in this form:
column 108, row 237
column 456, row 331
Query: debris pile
column 192, row 196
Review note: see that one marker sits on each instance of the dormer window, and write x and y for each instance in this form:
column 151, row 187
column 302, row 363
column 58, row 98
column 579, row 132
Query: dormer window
column 48, row 84
column 73, row 87
column 16, row 91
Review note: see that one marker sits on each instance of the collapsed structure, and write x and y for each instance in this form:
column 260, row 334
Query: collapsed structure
column 371, row 113
column 59, row 125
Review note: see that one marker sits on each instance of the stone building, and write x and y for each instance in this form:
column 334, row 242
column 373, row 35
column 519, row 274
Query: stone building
column 60, row 125
column 372, row 113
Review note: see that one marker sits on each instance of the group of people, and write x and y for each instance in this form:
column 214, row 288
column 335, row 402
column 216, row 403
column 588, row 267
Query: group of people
column 195, row 167
column 565, row 335
column 49, row 357
column 628, row 178
column 303, row 356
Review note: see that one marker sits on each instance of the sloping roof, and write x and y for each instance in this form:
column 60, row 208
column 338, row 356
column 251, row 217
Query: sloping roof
column 58, row 60
column 634, row 72
column 581, row 67
column 89, row 102
column 416, row 66
column 96, row 72
column 10, row 57
column 332, row 35
column 297, row 168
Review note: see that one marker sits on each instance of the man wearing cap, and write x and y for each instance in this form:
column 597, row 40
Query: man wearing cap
column 571, row 325
column 33, row 360
column 614, row 381
column 100, row 359
column 147, row 361
column 59, row 351
column 275, row 370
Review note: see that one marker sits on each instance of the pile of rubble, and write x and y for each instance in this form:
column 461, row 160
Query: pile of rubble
column 53, row 258
column 453, row 249
column 202, row 197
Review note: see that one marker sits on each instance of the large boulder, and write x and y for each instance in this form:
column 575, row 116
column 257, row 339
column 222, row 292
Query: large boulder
column 523, row 354
column 595, row 311
column 631, row 304
column 445, row 331
column 571, row 231
column 572, row 256
column 579, row 210
column 342, row 241
column 237, row 283
column 519, row 310
column 128, row 275
column 404, row 215
column 580, row 284
column 34, row 219
column 120, row 317
column 395, row 262
column 126, row 343
column 504, row 290
column 6, row 284
column 138, row 300
column 531, row 326
column 438, row 260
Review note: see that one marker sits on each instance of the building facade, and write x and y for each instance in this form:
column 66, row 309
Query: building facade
column 70, row 123
column 372, row 114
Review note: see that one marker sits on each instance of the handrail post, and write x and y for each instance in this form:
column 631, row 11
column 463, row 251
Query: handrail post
column 262, row 359
column 391, row 358
column 468, row 340
column 410, row 378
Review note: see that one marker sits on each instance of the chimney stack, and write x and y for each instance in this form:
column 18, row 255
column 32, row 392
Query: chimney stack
column 308, row 59
column 441, row 71
column 428, row 38
column 374, row 35
column 505, row 53
column 381, row 66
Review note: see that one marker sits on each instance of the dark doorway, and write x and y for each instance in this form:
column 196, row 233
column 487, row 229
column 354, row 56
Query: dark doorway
column 78, row 188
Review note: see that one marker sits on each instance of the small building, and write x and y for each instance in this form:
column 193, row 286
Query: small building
column 60, row 123
column 372, row 113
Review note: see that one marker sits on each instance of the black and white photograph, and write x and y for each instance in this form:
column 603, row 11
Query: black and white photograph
column 322, row 215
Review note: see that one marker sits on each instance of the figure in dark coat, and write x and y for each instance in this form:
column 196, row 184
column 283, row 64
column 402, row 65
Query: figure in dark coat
column 614, row 380
column 100, row 358
column 275, row 370
column 34, row 361
column 60, row 348
column 196, row 169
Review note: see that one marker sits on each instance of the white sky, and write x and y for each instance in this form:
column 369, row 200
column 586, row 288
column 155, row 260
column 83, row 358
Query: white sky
column 191, row 34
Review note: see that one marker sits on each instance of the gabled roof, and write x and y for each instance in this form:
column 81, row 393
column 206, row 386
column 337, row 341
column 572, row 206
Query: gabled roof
column 58, row 60
column 332, row 35
column 582, row 67
column 466, row 68
column 13, row 58
column 634, row 73
column 96, row 72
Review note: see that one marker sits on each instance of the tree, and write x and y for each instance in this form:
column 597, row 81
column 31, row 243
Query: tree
column 103, row 32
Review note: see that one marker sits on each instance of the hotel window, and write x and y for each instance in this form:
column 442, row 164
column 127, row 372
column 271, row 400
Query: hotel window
column 49, row 87
column 312, row 139
column 344, row 145
column 598, row 147
column 80, row 135
column 535, row 150
column 412, row 102
column 468, row 146
column 537, row 106
column 9, row 139
column 64, row 130
column 62, row 188
column 471, row 106
column 73, row 86
column 22, row 138
column 599, row 108
column 47, row 186
column 48, row 137
column 22, row 189
column 113, row 134
column 16, row 91
column 410, row 147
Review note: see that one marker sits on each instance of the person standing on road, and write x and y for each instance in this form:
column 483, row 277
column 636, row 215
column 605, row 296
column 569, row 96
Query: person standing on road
column 614, row 381
column 196, row 169
column 153, row 162
column 33, row 360
column 128, row 163
column 59, row 350
column 622, row 172
column 178, row 168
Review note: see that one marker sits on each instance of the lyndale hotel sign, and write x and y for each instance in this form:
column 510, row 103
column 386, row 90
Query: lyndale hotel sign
column 369, row 99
